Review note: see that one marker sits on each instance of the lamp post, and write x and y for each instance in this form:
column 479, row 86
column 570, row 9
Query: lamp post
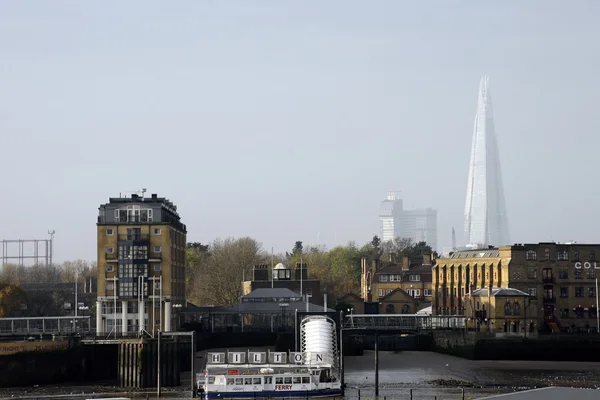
column 177, row 307
column 84, row 309
column 283, row 307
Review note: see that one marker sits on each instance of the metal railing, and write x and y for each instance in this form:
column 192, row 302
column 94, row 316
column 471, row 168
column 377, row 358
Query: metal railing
column 44, row 325
column 402, row 322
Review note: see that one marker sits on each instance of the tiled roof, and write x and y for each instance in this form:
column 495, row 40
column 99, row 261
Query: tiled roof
column 483, row 253
column 264, row 293
column 501, row 292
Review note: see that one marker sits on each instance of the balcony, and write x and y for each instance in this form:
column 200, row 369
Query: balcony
column 549, row 300
column 548, row 280
column 134, row 237
column 155, row 257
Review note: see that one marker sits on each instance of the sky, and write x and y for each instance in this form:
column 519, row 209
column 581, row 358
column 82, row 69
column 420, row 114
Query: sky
column 291, row 120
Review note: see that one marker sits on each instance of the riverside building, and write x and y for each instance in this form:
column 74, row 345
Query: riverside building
column 141, row 265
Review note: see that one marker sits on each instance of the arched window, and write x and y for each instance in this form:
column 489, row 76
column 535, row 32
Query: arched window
column 516, row 309
column 405, row 309
column 390, row 309
column 507, row 308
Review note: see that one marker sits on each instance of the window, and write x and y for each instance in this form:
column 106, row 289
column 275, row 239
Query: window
column 230, row 381
column 427, row 292
column 381, row 292
column 563, row 273
column 564, row 313
column 532, row 272
column 156, row 267
column 305, row 379
column 157, row 231
column 390, row 309
column 110, row 268
column 309, row 291
column 547, row 253
column 578, row 274
column 109, row 232
column 592, row 292
column 507, row 308
column 564, row 292
column 157, row 249
column 388, row 291
column 576, row 256
column 562, row 255
column 591, row 274
column 516, row 308
column 110, row 286
column 287, row 380
column 405, row 309
column 592, row 313
column 110, row 250
column 579, row 291
column 383, row 278
column 579, row 311
column 532, row 291
column 592, row 256
column 531, row 255
column 414, row 278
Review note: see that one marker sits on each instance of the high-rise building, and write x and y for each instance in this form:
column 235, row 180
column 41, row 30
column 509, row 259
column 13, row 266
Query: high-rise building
column 418, row 225
column 390, row 212
column 141, row 265
column 486, row 221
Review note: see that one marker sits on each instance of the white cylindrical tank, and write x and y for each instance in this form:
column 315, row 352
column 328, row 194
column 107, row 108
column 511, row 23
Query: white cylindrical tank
column 318, row 337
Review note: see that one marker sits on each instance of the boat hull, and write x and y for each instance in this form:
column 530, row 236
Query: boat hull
column 274, row 394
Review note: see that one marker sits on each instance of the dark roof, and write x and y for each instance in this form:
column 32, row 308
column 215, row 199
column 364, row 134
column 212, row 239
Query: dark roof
column 483, row 253
column 501, row 292
column 266, row 293
column 352, row 295
column 390, row 294
column 268, row 307
column 550, row 393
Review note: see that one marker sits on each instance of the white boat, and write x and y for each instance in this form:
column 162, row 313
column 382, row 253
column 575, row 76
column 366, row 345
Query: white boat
column 313, row 372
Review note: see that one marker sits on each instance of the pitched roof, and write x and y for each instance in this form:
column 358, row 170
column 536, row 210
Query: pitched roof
column 501, row 292
column 264, row 293
column 268, row 307
column 397, row 290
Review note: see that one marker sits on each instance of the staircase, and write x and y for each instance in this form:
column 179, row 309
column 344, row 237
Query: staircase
column 553, row 324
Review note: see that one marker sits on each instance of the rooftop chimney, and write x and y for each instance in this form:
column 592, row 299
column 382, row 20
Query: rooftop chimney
column 405, row 263
column 426, row 259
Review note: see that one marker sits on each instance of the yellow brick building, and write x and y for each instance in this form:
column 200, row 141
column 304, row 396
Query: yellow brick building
column 559, row 280
column 141, row 265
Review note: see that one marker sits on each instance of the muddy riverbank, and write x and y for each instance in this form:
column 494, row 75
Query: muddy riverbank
column 428, row 374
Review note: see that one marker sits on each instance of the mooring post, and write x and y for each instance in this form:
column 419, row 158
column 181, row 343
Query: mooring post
column 411, row 394
column 358, row 394
column 463, row 393
column 377, row 364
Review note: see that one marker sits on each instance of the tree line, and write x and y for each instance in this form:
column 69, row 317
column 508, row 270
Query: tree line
column 19, row 300
column 216, row 270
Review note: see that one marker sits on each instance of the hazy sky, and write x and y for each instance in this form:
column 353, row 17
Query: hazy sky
column 281, row 119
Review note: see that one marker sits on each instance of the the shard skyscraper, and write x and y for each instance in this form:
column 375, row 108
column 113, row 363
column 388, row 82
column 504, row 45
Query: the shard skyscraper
column 486, row 222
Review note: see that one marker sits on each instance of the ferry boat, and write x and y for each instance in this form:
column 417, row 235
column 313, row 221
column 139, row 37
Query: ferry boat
column 313, row 372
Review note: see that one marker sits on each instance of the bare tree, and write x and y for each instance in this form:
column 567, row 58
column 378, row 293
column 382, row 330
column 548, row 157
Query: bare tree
column 217, row 276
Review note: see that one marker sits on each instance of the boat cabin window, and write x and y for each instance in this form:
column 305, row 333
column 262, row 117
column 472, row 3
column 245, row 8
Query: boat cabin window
column 297, row 379
column 287, row 380
column 256, row 381
column 211, row 380
column 269, row 380
column 247, row 381
column 305, row 379
column 239, row 381
column 279, row 380
column 230, row 381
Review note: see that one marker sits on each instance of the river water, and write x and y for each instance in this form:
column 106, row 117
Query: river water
column 429, row 375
